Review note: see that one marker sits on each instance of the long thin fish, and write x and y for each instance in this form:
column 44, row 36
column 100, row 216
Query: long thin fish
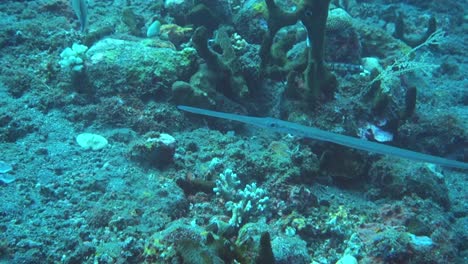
column 315, row 133
column 81, row 10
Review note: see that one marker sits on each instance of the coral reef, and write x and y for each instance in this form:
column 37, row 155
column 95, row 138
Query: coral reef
column 98, row 165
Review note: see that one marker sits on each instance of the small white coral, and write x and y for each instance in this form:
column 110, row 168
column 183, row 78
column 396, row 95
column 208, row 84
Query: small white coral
column 244, row 203
column 227, row 184
column 248, row 202
column 73, row 57
column 91, row 141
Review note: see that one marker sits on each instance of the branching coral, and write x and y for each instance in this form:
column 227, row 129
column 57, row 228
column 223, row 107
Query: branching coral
column 243, row 204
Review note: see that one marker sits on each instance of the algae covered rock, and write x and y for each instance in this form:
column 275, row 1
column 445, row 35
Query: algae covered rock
column 254, row 12
column 399, row 178
column 139, row 67
column 154, row 149
column 288, row 249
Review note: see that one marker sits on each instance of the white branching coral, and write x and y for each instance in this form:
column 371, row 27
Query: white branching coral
column 243, row 204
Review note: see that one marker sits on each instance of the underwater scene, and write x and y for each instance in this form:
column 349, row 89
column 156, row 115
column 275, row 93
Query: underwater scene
column 234, row 131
